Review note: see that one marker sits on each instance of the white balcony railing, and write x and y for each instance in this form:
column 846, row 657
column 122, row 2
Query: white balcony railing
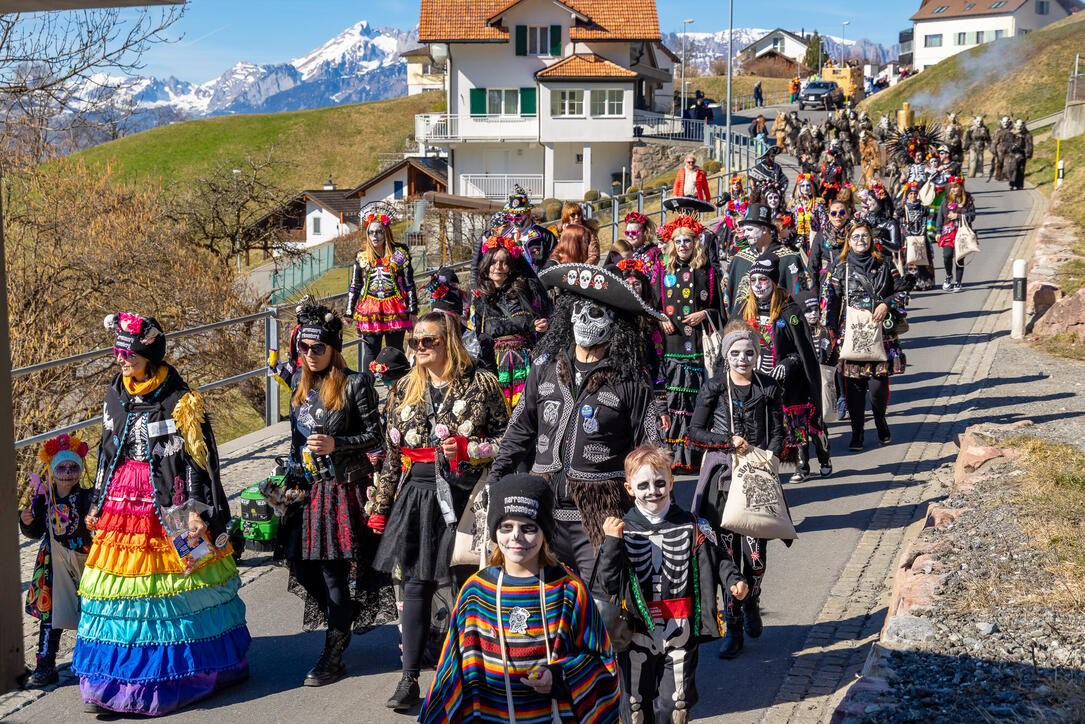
column 447, row 127
column 498, row 186
column 569, row 189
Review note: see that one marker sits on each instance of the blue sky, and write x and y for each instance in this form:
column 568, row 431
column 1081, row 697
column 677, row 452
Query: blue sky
column 218, row 33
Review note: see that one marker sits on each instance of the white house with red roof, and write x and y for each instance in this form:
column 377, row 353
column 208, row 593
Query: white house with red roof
column 542, row 93
column 942, row 28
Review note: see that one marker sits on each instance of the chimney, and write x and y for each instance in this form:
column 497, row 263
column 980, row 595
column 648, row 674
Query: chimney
column 329, row 185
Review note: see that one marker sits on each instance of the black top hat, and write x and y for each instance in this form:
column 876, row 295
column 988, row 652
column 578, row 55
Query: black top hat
column 596, row 283
column 758, row 214
column 142, row 335
column 771, row 152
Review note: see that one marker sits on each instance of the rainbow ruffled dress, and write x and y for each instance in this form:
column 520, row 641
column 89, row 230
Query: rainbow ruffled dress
column 152, row 639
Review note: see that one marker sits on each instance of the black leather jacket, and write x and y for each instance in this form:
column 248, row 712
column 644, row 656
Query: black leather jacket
column 356, row 427
column 886, row 230
column 760, row 421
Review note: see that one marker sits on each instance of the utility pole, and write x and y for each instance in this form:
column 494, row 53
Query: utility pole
column 843, row 31
column 730, row 72
column 682, row 90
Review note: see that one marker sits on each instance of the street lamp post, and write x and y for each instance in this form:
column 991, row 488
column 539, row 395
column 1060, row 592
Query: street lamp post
column 682, row 90
column 843, row 31
column 730, row 71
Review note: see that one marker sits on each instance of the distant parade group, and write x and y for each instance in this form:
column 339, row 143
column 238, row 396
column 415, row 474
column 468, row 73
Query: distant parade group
column 510, row 445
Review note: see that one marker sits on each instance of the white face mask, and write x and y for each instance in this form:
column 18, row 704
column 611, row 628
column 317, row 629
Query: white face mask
column 684, row 246
column 772, row 199
column 651, row 488
column 806, row 188
column 741, row 357
column 753, row 233
column 592, row 323
column 761, row 286
column 376, row 233
column 519, row 539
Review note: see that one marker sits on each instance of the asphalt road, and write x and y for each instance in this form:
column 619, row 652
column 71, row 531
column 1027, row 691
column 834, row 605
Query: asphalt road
column 830, row 515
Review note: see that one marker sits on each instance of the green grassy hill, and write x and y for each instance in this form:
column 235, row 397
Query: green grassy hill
column 342, row 141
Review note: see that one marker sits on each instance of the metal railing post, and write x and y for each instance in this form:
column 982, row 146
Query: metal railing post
column 271, row 386
column 640, row 201
column 614, row 219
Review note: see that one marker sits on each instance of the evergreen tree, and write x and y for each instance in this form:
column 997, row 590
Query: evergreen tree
column 811, row 59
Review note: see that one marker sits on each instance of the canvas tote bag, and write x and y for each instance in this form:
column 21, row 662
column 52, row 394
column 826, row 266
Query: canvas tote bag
column 712, row 343
column 755, row 503
column 915, row 250
column 469, row 547
column 828, row 394
column 965, row 243
column 862, row 335
column 927, row 194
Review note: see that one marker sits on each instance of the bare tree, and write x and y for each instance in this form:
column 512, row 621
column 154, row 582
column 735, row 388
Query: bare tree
column 225, row 210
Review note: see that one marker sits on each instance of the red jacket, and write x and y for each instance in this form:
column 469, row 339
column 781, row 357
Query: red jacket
column 702, row 184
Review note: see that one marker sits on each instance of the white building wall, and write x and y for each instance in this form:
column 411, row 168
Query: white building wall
column 607, row 159
column 924, row 57
column 385, row 189
column 586, row 129
column 791, row 47
column 1027, row 19
column 330, row 227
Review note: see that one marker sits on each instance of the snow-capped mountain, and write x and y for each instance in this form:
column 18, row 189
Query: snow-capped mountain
column 703, row 48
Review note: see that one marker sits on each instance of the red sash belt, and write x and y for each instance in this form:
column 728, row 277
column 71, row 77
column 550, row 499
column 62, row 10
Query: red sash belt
column 429, row 454
column 678, row 608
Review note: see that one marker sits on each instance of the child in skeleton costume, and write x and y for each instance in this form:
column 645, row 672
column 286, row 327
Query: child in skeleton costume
column 685, row 292
column 536, row 242
column 916, row 229
column 60, row 498
column 587, row 403
column 161, row 624
column 526, row 643
column 832, row 174
column 738, row 408
column 820, row 335
column 787, row 354
column 640, row 234
column 759, row 235
column 381, row 299
column 663, row 565
column 976, row 140
column 807, row 210
column 509, row 311
column 866, row 279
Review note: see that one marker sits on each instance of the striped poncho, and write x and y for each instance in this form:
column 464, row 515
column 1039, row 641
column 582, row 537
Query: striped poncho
column 470, row 682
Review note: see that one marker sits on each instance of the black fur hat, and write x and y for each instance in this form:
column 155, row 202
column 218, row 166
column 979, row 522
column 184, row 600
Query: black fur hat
column 320, row 324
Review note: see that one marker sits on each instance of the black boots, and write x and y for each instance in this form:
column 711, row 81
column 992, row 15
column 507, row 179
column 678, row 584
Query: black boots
column 732, row 641
column 329, row 667
column 884, row 437
column 752, row 613
column 802, row 466
column 45, row 673
column 406, row 694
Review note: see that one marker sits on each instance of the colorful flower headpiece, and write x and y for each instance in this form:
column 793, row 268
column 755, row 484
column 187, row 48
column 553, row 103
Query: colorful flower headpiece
column 131, row 323
column 736, row 179
column 60, row 443
column 876, row 186
column 955, row 180
column 636, row 217
column 681, row 222
column 503, row 242
column 911, row 185
column 384, row 219
column 377, row 368
column 633, row 265
column 804, row 177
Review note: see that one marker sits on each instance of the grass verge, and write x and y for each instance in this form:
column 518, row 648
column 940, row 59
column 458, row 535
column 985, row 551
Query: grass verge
column 1062, row 345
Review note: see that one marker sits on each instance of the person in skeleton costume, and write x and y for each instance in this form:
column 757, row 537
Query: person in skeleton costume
column 587, row 403
column 663, row 566
column 832, row 173
column 806, row 209
column 758, row 235
column 1019, row 151
column 526, row 643
column 739, row 408
column 772, row 195
column 952, row 136
column 976, row 140
column 787, row 354
column 766, row 170
column 446, row 418
column 535, row 242
column 640, row 234
column 1000, row 147
column 864, row 278
column 871, row 157
column 916, row 230
column 685, row 292
column 635, row 274
column 60, row 498
column 381, row 298
column 881, row 219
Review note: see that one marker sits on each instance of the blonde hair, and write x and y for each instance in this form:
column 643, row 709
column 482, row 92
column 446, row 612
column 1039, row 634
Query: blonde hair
column 457, row 360
column 621, row 246
column 389, row 242
column 776, row 304
column 332, row 381
column 656, row 458
column 670, row 253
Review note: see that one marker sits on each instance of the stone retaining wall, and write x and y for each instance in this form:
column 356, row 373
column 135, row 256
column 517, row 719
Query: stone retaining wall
column 1054, row 240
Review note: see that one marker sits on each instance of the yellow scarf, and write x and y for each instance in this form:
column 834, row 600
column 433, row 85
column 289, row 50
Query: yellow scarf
column 148, row 385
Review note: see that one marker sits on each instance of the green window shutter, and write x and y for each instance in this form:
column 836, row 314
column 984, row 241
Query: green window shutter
column 478, row 101
column 555, row 40
column 527, row 102
column 521, row 40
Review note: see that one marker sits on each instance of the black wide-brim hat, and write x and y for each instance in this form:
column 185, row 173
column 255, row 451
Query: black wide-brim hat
column 770, row 151
column 596, row 283
column 687, row 203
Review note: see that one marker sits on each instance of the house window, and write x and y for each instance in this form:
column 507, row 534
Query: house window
column 979, row 36
column 316, row 225
column 932, row 41
column 996, row 6
column 962, row 39
column 609, row 102
column 502, row 101
column 778, row 44
column 538, row 40
column 1000, row 34
column 940, row 9
column 567, row 103
column 1043, row 7
column 969, row 6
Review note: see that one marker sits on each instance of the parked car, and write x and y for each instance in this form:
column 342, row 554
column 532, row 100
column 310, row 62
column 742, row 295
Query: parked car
column 814, row 94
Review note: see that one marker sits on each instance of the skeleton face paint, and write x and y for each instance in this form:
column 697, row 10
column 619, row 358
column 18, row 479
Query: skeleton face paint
column 651, row 489
column 754, row 233
column 520, row 539
column 741, row 357
column 860, row 241
column 684, row 246
column 519, row 219
column 812, row 316
column 66, row 475
column 592, row 323
column 870, row 202
column 633, row 234
column 375, row 232
column 761, row 286
column 772, row 199
column 806, row 188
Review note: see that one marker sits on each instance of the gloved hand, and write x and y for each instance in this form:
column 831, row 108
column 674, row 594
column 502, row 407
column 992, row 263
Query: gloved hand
column 779, row 372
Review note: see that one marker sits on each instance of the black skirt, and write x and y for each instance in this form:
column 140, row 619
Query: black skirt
column 417, row 543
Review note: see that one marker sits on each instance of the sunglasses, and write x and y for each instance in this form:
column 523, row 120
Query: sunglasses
column 123, row 354
column 424, row 343
column 632, row 234
column 317, row 349
column 838, row 213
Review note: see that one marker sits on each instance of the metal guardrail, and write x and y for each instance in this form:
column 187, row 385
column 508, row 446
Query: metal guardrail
column 286, row 281
column 270, row 317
